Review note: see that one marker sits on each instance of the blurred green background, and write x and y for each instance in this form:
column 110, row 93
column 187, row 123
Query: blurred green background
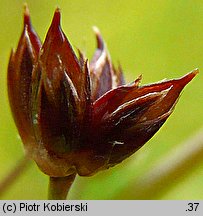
column 158, row 39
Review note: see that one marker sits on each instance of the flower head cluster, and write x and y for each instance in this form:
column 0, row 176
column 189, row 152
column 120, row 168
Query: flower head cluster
column 76, row 116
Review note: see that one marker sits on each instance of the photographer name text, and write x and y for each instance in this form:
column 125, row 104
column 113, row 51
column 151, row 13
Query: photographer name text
column 14, row 207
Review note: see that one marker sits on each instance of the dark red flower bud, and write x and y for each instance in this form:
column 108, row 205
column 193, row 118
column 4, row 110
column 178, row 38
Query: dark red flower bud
column 78, row 117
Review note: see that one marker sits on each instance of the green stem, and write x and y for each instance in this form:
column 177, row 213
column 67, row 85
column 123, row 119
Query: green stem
column 60, row 186
column 14, row 173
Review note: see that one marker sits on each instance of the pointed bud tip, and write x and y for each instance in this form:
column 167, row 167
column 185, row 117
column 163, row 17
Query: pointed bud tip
column 96, row 30
column 195, row 71
column 189, row 76
column 100, row 42
column 57, row 17
column 27, row 20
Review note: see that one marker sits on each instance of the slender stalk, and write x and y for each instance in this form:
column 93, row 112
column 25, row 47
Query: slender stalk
column 14, row 173
column 60, row 186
